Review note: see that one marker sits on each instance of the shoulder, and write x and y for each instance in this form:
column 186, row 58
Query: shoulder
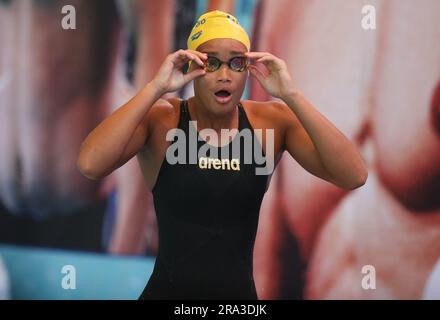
column 271, row 113
column 164, row 113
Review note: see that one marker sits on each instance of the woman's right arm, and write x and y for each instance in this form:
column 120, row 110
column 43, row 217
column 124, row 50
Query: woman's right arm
column 116, row 139
column 123, row 134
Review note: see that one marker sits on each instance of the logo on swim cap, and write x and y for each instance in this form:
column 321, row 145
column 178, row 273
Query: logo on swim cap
column 196, row 36
column 217, row 25
column 232, row 18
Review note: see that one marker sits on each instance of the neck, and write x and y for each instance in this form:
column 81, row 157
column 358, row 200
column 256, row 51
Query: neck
column 207, row 119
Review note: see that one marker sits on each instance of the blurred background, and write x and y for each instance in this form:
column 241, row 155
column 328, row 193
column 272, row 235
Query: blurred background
column 371, row 67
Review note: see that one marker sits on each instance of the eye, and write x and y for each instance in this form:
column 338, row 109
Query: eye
column 238, row 63
column 212, row 64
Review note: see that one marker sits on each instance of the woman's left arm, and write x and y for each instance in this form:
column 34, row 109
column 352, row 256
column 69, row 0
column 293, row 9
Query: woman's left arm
column 310, row 138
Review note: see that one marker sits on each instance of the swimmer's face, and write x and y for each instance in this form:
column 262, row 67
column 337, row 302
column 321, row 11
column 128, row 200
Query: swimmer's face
column 220, row 90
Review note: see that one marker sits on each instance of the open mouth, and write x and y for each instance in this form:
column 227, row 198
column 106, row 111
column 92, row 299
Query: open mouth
column 223, row 94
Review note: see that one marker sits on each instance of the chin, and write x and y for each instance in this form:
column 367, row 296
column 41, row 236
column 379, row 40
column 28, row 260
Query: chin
column 225, row 108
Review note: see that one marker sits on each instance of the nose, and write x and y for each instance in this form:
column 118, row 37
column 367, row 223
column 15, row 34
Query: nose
column 223, row 74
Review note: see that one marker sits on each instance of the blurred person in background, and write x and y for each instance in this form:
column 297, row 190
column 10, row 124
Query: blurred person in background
column 381, row 87
column 46, row 112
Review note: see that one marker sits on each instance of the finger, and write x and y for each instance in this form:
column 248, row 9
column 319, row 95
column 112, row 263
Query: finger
column 197, row 60
column 186, row 56
column 198, row 57
column 257, row 73
column 261, row 67
column 267, row 59
column 201, row 55
column 256, row 55
column 272, row 63
column 194, row 74
column 257, row 70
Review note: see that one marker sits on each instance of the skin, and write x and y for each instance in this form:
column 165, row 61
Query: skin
column 404, row 220
column 140, row 126
column 44, row 115
column 135, row 228
column 304, row 203
column 392, row 222
column 276, row 80
column 222, row 5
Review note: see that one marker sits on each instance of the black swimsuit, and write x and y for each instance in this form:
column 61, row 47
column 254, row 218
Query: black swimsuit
column 207, row 221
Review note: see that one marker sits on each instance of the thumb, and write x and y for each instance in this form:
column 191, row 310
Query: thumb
column 194, row 74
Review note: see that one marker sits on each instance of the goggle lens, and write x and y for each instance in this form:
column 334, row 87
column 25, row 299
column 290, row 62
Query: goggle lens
column 237, row 64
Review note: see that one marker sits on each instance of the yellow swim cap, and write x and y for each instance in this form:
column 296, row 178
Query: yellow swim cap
column 217, row 25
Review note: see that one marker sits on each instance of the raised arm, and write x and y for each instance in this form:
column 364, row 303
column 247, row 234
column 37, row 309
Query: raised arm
column 310, row 138
column 123, row 134
column 119, row 137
